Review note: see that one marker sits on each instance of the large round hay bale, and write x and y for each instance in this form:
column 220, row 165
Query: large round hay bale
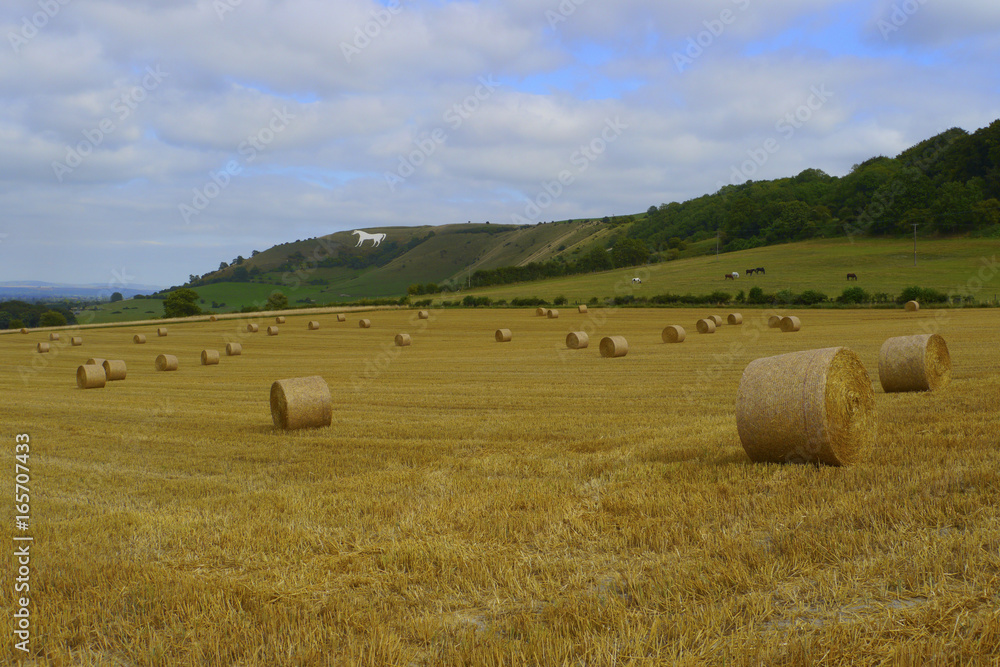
column 90, row 376
column 503, row 335
column 581, row 308
column 614, row 346
column 162, row 331
column 423, row 315
column 734, row 318
column 553, row 314
column 139, row 339
column 301, row 403
column 341, row 317
column 673, row 334
column 815, row 406
column 114, row 369
column 43, row 348
column 790, row 323
column 166, row 362
column 912, row 306
column 541, row 312
column 577, row 340
column 233, row 349
column 280, row 319
column 403, row 340
column 272, row 330
column 53, row 336
column 209, row 357
column 95, row 361
column 313, row 325
column 76, row 341
column 914, row 363
column 24, row 330
column 213, row 318
column 774, row 322
column 253, row 328
column 365, row 324
column 717, row 319
column 706, row 326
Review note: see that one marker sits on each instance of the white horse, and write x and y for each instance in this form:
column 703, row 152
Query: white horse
column 365, row 236
column 637, row 281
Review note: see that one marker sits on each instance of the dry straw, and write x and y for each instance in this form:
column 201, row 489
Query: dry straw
column 95, row 361
column 341, row 317
column 717, row 319
column 706, row 326
column 213, row 318
column 735, row 318
column 139, row 339
column 614, row 346
column 541, row 312
column 423, row 315
column 313, row 325
column 912, row 306
column 76, row 341
column 233, row 349
column 209, row 357
column 581, row 308
column 301, row 403
column 114, row 369
column 253, row 328
column 43, row 348
column 53, row 336
column 553, row 314
column 162, row 331
column 503, row 335
column 577, row 340
column 815, row 406
column 272, row 330
column 673, row 334
column 774, row 322
column 279, row 319
column 790, row 324
column 24, row 331
column 914, row 363
column 403, row 340
column 90, row 376
column 365, row 324
column 166, row 362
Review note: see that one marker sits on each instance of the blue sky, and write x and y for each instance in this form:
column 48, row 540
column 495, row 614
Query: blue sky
column 157, row 138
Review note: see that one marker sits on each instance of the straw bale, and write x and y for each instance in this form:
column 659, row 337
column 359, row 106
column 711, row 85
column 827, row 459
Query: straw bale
column 90, row 376
column 614, row 346
column 914, row 363
column 114, row 369
column 301, row 403
column 166, row 362
column 577, row 340
column 673, row 334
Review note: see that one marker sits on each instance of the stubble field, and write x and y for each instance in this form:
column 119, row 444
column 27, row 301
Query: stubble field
column 489, row 503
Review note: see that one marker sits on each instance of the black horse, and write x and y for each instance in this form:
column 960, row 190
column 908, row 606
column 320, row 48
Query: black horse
column 750, row 271
column 760, row 269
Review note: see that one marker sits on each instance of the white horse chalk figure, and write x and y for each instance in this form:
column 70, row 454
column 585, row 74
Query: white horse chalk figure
column 365, row 236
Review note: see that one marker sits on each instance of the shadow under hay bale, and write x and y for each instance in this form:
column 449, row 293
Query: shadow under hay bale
column 614, row 346
column 577, row 340
column 503, row 335
column 91, row 376
column 115, row 369
column 301, row 403
column 673, row 334
column 914, row 363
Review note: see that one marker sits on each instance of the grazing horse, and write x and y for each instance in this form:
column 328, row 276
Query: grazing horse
column 750, row 271
column 852, row 276
column 760, row 269
column 731, row 276
column 365, row 236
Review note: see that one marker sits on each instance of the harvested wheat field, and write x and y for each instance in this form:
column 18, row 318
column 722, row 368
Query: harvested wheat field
column 483, row 504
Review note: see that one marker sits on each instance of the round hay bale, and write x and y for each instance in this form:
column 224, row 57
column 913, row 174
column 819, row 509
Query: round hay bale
column 162, row 331
column 402, row 340
column 790, row 324
column 253, row 328
column 233, row 349
column 53, row 336
column 735, row 318
column 301, row 403
column 706, row 326
column 213, row 318
column 552, row 314
column 209, row 357
column 341, row 317
column 423, row 315
column 139, row 339
column 313, row 325
column 90, row 376
column 166, row 362
column 774, row 322
column 914, row 363
column 95, row 361
column 541, row 312
column 674, row 334
column 503, row 335
column 581, row 308
column 272, row 330
column 717, row 319
column 614, row 346
column 24, row 330
column 43, row 348
column 815, row 406
column 365, row 324
column 114, row 369
column 577, row 340
column 76, row 341
column 912, row 306
column 280, row 319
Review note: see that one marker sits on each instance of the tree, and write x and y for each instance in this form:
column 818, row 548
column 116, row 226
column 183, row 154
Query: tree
column 117, row 296
column 223, row 265
column 241, row 274
column 181, row 303
column 277, row 301
column 629, row 252
column 5, row 319
column 52, row 318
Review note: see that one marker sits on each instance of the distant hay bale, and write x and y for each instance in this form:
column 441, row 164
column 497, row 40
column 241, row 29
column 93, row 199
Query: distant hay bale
column 341, row 317
column 790, row 323
column 253, row 328
column 76, row 341
column 912, row 306
column 162, row 331
column 166, row 362
column 213, row 318
column 541, row 312
column 552, row 314
column 577, row 340
column 581, row 308
column 24, row 330
column 139, row 339
column 735, row 318
column 614, row 346
column 301, row 403
column 209, row 357
column 402, row 340
column 43, row 348
column 95, row 361
column 717, row 319
column 233, row 349
column 774, row 322
column 815, row 406
column 503, row 335
column 313, row 325
column 365, row 324
column 114, row 369
column 280, row 319
column 53, row 336
column 90, row 376
column 272, row 330
column 673, row 334
column 706, row 326
column 423, row 315
column 914, row 363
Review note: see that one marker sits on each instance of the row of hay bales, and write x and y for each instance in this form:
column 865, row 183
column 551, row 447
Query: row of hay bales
column 552, row 313
column 95, row 373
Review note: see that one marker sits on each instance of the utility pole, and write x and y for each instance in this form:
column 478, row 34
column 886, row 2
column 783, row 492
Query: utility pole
column 914, row 244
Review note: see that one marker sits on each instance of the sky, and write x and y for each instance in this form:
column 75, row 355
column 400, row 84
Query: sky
column 142, row 141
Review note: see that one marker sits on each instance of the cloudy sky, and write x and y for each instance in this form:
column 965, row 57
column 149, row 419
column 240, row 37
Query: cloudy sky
column 152, row 139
